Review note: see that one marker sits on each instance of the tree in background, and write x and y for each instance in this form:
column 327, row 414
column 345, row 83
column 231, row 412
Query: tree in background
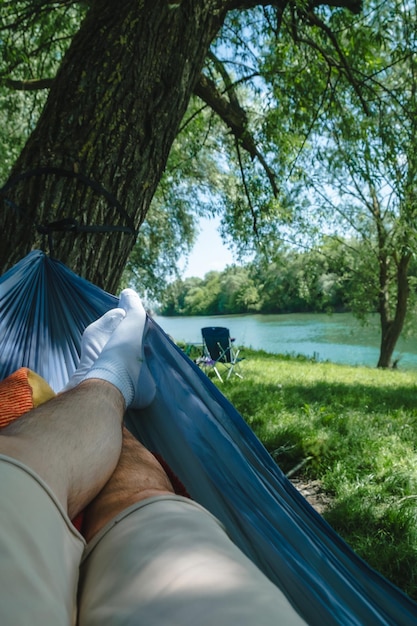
column 239, row 291
column 218, row 293
column 324, row 279
column 366, row 169
column 191, row 186
column 347, row 157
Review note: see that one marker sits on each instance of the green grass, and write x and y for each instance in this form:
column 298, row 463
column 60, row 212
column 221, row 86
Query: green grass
column 354, row 429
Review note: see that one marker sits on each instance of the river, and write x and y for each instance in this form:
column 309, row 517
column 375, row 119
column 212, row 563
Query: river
column 339, row 338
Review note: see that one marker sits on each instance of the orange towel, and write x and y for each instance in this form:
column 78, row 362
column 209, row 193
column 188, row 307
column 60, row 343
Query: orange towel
column 15, row 396
column 20, row 392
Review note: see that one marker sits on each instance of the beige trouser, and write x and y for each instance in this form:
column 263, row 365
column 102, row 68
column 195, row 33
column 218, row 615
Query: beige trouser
column 40, row 552
column 164, row 561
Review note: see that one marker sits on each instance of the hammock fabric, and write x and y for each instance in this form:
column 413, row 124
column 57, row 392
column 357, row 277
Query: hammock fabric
column 44, row 308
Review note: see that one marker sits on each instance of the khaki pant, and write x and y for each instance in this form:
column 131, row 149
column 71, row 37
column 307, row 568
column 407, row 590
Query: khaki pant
column 40, row 552
column 164, row 561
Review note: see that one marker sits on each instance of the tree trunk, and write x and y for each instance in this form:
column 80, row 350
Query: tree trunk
column 391, row 327
column 112, row 115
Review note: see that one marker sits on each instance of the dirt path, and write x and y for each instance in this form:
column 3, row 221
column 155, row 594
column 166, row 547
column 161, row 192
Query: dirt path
column 313, row 493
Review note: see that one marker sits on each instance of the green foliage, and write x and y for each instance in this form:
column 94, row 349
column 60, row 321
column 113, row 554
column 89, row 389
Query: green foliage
column 333, row 277
column 231, row 291
column 195, row 184
column 324, row 103
column 353, row 429
column 34, row 35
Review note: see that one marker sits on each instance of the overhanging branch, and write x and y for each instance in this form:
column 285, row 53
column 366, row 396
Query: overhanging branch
column 29, row 85
column 234, row 116
column 355, row 6
column 314, row 20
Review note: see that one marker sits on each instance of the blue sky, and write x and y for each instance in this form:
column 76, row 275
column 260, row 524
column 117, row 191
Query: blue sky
column 209, row 252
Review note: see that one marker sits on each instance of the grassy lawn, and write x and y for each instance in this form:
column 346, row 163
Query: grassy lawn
column 355, row 430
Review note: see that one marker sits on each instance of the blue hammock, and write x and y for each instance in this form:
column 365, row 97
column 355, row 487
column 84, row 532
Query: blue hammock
column 44, row 308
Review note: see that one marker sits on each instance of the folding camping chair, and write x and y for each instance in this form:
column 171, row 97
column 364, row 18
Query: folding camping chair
column 218, row 348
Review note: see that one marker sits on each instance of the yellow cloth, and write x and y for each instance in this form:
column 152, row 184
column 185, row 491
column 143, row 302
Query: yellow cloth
column 41, row 391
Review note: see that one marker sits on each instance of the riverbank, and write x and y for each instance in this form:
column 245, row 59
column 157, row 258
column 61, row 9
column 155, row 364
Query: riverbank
column 352, row 431
column 339, row 338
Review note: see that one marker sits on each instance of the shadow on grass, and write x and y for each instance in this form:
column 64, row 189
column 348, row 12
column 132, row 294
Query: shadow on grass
column 341, row 425
column 374, row 534
column 249, row 396
column 353, row 396
column 321, row 419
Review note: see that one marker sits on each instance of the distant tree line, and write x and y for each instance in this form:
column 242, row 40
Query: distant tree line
column 337, row 276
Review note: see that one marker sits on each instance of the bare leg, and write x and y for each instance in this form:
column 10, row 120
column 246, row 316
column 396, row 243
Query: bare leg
column 59, row 456
column 138, row 476
column 72, row 442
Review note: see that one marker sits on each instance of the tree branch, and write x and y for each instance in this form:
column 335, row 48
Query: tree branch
column 230, row 111
column 316, row 21
column 247, row 193
column 355, row 6
column 29, row 85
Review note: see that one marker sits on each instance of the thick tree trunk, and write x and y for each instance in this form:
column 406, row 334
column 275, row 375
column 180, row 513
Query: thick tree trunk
column 112, row 115
column 391, row 328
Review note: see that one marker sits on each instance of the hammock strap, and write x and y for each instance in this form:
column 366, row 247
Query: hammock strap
column 69, row 224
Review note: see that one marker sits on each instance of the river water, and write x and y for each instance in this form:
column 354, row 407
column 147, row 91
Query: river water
column 339, row 338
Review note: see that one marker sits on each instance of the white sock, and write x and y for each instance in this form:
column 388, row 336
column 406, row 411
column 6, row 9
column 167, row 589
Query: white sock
column 94, row 338
column 117, row 340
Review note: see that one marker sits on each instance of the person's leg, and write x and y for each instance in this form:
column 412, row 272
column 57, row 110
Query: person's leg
column 138, row 476
column 166, row 561
column 40, row 552
column 56, row 459
column 72, row 442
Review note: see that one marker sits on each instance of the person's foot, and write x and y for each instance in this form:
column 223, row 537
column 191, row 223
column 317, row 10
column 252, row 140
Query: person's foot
column 137, row 476
column 94, row 338
column 113, row 350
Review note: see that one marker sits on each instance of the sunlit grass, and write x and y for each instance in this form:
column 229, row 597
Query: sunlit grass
column 354, row 429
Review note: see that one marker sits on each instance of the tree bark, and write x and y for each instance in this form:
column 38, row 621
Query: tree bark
column 112, row 114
